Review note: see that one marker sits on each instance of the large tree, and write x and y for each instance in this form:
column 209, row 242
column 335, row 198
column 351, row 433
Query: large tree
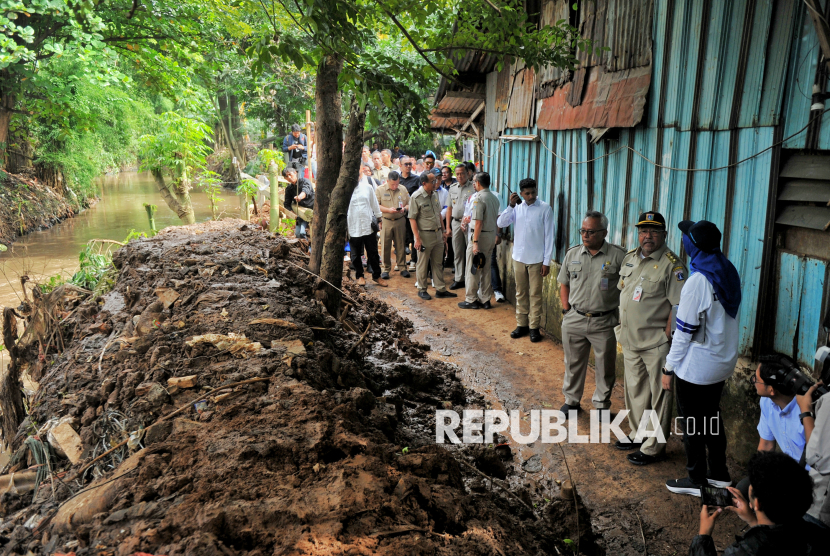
column 343, row 38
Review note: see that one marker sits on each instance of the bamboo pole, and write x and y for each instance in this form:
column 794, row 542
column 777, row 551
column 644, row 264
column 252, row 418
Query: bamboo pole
column 274, row 223
column 309, row 142
column 151, row 215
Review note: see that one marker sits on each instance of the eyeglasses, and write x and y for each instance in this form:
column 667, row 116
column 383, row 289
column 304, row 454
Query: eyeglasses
column 407, row 164
column 650, row 233
column 754, row 379
column 589, row 233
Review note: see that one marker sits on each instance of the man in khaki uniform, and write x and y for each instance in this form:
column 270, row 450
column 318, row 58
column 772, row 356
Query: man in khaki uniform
column 459, row 193
column 425, row 220
column 393, row 201
column 379, row 171
column 588, row 290
column 650, row 282
column 483, row 220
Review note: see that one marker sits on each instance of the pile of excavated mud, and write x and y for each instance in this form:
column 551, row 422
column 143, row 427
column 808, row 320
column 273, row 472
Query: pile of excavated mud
column 331, row 451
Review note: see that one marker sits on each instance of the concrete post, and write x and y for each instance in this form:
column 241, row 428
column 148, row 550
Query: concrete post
column 274, row 223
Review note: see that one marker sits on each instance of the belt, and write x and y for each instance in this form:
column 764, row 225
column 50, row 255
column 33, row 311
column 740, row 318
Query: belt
column 387, row 218
column 456, row 219
column 428, row 230
column 595, row 314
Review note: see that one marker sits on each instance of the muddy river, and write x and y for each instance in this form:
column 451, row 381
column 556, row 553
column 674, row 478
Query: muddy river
column 120, row 210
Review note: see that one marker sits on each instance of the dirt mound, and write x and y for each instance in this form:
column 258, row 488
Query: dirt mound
column 327, row 446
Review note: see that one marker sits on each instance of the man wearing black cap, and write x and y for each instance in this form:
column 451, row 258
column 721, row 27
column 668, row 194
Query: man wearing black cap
column 650, row 282
column 703, row 355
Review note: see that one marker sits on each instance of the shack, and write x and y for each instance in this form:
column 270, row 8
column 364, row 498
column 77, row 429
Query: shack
column 699, row 109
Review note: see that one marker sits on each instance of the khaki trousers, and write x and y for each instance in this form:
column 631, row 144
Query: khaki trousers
column 394, row 231
column 528, row 293
column 433, row 244
column 478, row 285
column 579, row 335
column 459, row 249
column 644, row 390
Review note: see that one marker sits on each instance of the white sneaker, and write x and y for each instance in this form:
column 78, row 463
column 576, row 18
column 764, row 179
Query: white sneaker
column 411, row 267
column 396, row 268
column 499, row 297
column 433, row 283
column 416, row 284
column 719, row 484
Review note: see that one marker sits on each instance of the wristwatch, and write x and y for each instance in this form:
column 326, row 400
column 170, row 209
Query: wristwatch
column 667, row 372
column 565, row 311
column 806, row 414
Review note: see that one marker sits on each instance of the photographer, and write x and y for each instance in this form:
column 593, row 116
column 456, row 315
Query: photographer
column 817, row 453
column 780, row 491
column 779, row 421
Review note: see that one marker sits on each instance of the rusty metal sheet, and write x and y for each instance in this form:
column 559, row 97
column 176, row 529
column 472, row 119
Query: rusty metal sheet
column 454, row 109
column 614, row 99
column 491, row 117
column 522, row 99
column 504, row 85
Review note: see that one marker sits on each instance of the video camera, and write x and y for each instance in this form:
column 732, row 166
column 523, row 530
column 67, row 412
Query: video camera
column 795, row 379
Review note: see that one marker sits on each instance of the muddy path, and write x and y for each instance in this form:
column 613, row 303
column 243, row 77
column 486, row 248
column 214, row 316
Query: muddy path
column 627, row 503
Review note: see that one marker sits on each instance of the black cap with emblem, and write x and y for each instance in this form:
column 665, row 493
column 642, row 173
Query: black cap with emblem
column 653, row 219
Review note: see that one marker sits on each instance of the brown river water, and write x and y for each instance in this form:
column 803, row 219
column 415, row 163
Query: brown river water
column 120, row 210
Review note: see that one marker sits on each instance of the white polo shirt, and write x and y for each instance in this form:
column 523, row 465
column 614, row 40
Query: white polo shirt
column 705, row 345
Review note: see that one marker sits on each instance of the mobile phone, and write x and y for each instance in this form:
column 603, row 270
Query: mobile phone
column 714, row 496
column 422, row 248
column 399, row 209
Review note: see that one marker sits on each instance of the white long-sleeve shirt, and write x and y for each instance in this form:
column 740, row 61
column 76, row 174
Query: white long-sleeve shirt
column 363, row 204
column 533, row 231
column 705, row 344
column 443, row 197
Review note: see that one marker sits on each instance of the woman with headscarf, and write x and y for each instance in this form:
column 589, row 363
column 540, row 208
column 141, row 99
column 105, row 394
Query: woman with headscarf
column 703, row 355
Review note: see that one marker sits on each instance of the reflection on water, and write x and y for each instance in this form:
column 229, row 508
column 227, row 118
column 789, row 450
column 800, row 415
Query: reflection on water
column 121, row 209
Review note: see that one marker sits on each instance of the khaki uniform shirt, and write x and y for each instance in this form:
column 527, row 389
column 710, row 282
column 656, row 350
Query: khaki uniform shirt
column 425, row 209
column 486, row 208
column 459, row 196
column 381, row 174
column 649, row 288
column 593, row 279
column 392, row 199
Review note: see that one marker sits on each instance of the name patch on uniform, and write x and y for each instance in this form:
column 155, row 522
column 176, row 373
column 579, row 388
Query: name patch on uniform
column 638, row 293
column 629, row 264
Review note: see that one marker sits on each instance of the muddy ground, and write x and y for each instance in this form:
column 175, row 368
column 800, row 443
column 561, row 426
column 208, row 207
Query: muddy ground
column 626, row 503
column 321, row 444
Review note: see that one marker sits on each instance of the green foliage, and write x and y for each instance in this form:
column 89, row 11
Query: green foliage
column 211, row 183
column 52, row 283
column 179, row 147
column 266, row 156
column 134, row 235
column 92, row 268
column 248, row 188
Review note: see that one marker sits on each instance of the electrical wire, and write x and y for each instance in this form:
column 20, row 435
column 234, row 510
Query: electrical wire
column 655, row 164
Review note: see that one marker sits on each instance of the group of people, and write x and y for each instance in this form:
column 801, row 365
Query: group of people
column 678, row 330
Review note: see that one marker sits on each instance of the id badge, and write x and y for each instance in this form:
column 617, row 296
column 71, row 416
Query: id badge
column 603, row 284
column 638, row 293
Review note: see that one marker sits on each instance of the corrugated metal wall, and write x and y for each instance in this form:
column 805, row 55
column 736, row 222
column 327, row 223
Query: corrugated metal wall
column 720, row 68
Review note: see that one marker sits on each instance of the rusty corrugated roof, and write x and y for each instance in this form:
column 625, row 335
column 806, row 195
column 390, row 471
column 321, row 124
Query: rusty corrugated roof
column 454, row 109
column 522, row 99
column 615, row 99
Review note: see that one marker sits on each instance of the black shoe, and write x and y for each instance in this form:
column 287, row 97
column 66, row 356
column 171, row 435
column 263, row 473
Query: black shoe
column 535, row 335
column 424, row 295
column 445, row 294
column 639, row 458
column 457, row 285
column 683, row 486
column 519, row 332
column 566, row 408
column 385, row 275
column 486, row 305
column 620, row 445
column 467, row 305
column 405, row 273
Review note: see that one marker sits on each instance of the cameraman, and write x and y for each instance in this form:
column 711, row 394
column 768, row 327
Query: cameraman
column 780, row 491
column 817, row 452
column 780, row 421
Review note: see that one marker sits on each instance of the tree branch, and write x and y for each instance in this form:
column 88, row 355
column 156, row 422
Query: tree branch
column 136, row 4
column 415, row 45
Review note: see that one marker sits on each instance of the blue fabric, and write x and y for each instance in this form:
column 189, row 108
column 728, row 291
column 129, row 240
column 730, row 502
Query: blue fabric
column 783, row 426
column 720, row 272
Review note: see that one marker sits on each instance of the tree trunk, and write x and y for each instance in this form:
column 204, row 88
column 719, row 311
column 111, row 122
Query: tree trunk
column 7, row 102
column 19, row 151
column 11, row 397
column 222, row 113
column 329, row 150
column 335, row 237
column 177, row 198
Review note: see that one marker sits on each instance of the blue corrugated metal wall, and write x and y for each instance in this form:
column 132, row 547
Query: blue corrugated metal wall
column 704, row 119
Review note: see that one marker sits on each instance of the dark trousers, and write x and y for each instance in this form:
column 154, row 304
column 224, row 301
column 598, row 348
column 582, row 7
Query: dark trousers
column 370, row 242
column 495, row 279
column 699, row 408
column 410, row 242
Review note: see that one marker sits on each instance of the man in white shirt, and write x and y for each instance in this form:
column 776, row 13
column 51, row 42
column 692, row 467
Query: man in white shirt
column 532, row 252
column 364, row 205
column 703, row 355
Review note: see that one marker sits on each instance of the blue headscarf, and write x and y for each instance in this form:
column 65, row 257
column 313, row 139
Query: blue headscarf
column 721, row 273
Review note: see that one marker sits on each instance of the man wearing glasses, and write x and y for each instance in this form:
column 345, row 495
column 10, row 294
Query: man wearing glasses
column 650, row 282
column 590, row 299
